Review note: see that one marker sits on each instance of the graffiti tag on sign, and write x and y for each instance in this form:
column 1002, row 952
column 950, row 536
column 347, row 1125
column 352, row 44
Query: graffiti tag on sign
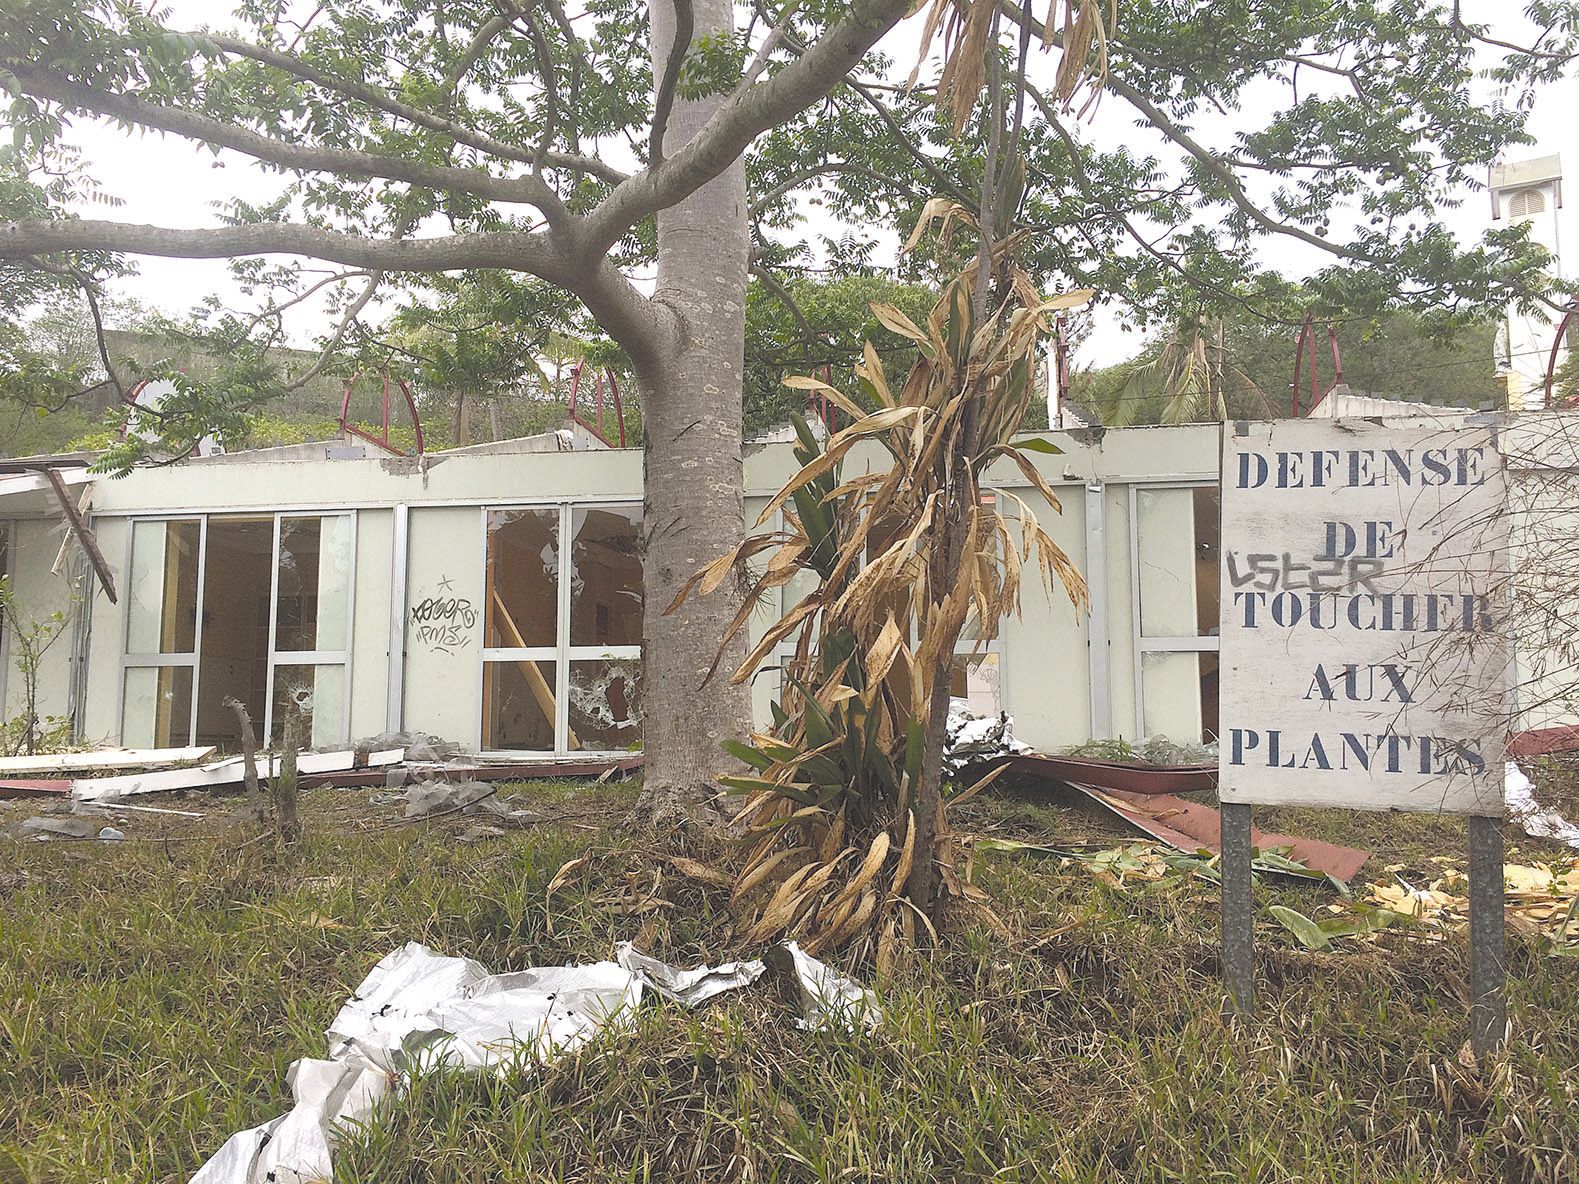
column 443, row 623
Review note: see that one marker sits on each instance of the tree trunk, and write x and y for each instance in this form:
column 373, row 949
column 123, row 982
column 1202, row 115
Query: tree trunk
column 693, row 468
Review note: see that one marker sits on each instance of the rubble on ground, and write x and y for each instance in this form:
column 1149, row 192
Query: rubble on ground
column 430, row 798
column 972, row 739
column 418, row 746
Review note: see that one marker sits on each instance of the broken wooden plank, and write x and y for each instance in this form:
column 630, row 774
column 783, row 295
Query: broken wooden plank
column 79, row 527
column 103, row 758
column 221, row 773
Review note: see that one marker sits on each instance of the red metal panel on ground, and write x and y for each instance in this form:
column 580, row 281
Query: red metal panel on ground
column 1190, row 826
column 1542, row 741
column 21, row 788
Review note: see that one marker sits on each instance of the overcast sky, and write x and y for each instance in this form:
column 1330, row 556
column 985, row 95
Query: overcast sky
column 165, row 181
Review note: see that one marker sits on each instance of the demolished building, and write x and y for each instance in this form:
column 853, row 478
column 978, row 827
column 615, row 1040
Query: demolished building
column 493, row 594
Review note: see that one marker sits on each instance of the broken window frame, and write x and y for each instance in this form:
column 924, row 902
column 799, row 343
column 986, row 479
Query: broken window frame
column 562, row 653
column 277, row 659
column 1145, row 643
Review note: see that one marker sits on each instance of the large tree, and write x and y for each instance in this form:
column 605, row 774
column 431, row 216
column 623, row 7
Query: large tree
column 580, row 143
column 501, row 121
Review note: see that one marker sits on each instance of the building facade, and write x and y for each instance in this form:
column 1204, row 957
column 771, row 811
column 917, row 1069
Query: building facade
column 493, row 597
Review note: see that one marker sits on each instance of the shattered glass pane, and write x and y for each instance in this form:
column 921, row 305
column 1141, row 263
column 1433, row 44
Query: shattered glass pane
column 976, row 681
column 318, row 692
column 1179, row 694
column 1179, row 541
column 314, row 583
column 518, row 706
column 605, row 576
column 522, row 609
column 606, row 705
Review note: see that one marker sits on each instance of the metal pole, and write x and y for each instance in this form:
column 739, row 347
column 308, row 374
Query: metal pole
column 1238, row 941
column 1488, row 1006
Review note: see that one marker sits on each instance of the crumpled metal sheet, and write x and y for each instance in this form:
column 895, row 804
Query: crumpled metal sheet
column 689, row 987
column 971, row 739
column 829, row 999
column 419, row 1009
column 1533, row 818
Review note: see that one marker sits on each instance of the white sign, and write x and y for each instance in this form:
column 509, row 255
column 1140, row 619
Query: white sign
column 1364, row 662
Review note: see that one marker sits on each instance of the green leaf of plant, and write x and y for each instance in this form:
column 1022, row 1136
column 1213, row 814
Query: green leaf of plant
column 1308, row 933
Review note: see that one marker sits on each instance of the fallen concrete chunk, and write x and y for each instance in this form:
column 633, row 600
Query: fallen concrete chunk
column 442, row 797
column 110, row 834
column 418, row 746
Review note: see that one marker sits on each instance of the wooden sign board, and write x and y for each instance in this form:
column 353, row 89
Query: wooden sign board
column 1364, row 661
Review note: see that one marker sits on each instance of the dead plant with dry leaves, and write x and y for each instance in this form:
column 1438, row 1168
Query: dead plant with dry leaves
column 836, row 821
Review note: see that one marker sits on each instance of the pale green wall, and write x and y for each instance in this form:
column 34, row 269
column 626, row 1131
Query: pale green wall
column 34, row 544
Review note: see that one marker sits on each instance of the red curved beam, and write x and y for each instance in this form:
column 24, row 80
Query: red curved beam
column 1557, row 345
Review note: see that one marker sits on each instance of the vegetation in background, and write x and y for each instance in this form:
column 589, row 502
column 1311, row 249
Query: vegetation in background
column 1399, row 355
column 809, row 325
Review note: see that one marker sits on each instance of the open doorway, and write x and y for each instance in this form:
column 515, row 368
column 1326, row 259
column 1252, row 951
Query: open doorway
column 234, row 662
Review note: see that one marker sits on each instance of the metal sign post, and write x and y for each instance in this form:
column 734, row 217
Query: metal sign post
column 1488, row 1003
column 1238, row 938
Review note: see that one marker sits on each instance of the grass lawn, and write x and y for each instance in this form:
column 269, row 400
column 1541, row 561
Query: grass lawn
column 153, row 993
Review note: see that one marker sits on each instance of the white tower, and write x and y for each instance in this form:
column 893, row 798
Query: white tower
column 1528, row 191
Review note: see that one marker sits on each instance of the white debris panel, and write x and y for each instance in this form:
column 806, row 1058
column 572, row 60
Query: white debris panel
column 1536, row 820
column 419, row 1010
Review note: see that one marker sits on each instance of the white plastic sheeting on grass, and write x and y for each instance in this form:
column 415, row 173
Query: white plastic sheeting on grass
column 1535, row 820
column 828, row 998
column 419, row 1009
column 689, row 987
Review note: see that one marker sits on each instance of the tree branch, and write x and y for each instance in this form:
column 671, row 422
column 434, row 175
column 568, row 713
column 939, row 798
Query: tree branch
column 663, row 102
column 545, row 66
column 782, row 294
column 945, row 185
column 726, row 135
column 381, row 101
column 1173, row 131
column 533, row 191
column 491, row 28
column 826, row 169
